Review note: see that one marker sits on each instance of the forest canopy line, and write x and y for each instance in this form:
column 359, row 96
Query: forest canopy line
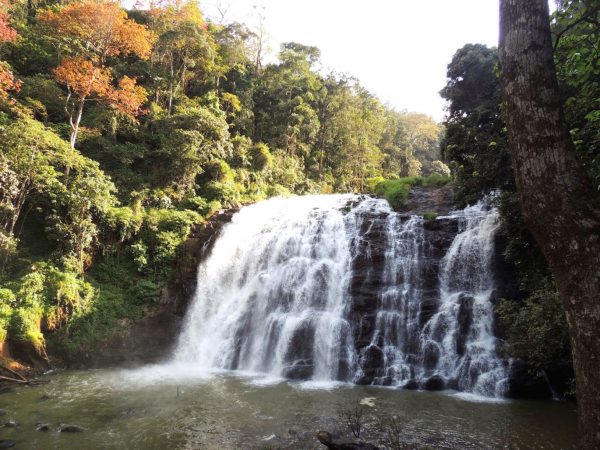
column 120, row 130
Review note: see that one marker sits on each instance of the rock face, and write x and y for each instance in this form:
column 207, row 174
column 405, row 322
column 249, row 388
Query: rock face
column 368, row 276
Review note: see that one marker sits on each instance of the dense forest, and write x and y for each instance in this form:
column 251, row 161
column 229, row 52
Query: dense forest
column 121, row 130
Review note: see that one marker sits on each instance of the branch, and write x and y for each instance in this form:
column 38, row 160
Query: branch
column 587, row 17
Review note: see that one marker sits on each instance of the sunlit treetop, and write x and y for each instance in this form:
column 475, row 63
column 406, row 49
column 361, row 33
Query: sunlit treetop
column 7, row 33
column 100, row 28
column 169, row 14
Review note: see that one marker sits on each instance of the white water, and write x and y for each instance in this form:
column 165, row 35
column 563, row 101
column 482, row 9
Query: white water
column 275, row 296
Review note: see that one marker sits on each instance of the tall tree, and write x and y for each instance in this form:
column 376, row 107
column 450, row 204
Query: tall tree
column 91, row 32
column 185, row 49
column 559, row 205
column 475, row 140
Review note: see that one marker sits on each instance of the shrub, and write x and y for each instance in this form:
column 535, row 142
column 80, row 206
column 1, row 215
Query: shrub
column 435, row 179
column 202, row 206
column 260, row 157
column 25, row 326
column 278, row 190
column 430, row 216
column 7, row 302
column 219, row 170
column 536, row 329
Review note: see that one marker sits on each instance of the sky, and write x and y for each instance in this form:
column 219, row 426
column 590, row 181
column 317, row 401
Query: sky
column 398, row 49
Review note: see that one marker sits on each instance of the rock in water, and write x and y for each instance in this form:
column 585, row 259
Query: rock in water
column 7, row 443
column 70, row 429
column 42, row 426
column 334, row 443
column 10, row 424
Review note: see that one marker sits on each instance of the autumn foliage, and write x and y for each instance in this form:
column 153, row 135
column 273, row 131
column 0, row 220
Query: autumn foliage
column 92, row 31
column 99, row 28
column 7, row 34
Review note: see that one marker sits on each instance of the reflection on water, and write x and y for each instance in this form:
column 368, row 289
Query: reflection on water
column 147, row 409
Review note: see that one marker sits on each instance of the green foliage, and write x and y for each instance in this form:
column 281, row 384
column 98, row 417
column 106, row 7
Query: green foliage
column 395, row 191
column 7, row 303
column 25, row 326
column 163, row 231
column 260, row 157
column 475, row 138
column 430, row 216
column 577, row 27
column 537, row 329
column 219, row 170
column 204, row 207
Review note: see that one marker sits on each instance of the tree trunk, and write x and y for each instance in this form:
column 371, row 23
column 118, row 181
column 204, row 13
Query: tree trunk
column 559, row 205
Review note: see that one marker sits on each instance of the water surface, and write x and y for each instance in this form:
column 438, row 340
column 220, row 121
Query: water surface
column 145, row 410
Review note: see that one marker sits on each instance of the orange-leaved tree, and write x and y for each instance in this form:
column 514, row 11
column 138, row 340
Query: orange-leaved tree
column 7, row 34
column 89, row 32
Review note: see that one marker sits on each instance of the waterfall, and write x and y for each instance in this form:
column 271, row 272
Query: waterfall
column 342, row 288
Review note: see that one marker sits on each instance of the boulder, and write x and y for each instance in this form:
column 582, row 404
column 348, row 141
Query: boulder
column 411, row 385
column 337, row 443
column 42, row 426
column 70, row 429
column 300, row 370
column 524, row 383
column 434, row 383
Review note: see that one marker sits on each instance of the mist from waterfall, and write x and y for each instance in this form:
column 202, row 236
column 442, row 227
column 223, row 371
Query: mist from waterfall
column 282, row 290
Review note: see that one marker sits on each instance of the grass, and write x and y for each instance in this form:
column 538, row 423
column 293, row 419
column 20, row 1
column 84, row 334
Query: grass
column 396, row 191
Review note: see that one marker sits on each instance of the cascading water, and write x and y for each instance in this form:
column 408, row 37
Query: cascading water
column 341, row 288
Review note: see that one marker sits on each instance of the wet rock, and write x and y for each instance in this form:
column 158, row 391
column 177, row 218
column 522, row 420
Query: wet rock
column 2, row 412
column 70, row 429
column 411, row 385
column 431, row 355
column 434, row 383
column 372, row 364
column 7, row 443
column 465, row 320
column 524, row 383
column 302, row 370
column 42, row 426
column 336, row 443
column 422, row 199
column 452, row 383
column 11, row 424
column 43, row 398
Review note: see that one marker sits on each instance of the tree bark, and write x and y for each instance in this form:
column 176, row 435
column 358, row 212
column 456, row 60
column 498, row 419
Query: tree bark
column 559, row 205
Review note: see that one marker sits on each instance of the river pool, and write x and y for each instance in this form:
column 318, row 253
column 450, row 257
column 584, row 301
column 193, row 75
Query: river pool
column 150, row 409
